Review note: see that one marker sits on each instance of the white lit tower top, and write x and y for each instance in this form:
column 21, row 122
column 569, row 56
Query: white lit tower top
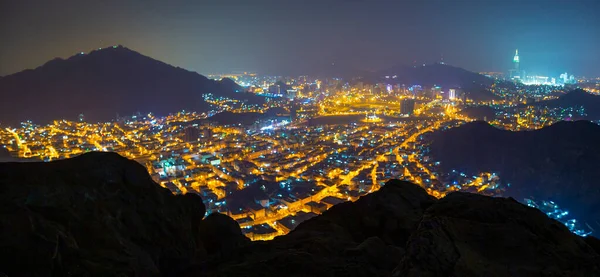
column 516, row 61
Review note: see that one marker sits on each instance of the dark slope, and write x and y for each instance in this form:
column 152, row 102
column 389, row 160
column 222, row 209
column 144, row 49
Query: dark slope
column 103, row 83
column 97, row 213
column 467, row 234
column 435, row 74
column 479, row 112
column 244, row 119
column 100, row 215
column 249, row 118
column 576, row 98
column 5, row 156
column 559, row 162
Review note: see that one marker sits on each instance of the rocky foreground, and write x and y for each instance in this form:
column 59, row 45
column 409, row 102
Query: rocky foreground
column 100, row 214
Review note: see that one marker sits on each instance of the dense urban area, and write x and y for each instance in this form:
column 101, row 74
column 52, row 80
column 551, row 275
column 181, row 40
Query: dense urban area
column 313, row 144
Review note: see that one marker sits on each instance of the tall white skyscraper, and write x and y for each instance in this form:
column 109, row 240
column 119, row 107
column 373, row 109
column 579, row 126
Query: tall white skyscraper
column 451, row 94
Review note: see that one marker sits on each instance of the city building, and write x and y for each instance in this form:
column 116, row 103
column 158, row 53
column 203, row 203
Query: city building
column 515, row 72
column 206, row 133
column 415, row 89
column 452, row 94
column 436, row 92
column 191, row 134
column 407, row 106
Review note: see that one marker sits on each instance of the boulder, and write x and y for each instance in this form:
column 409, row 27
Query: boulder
column 220, row 234
column 593, row 242
column 467, row 234
column 97, row 214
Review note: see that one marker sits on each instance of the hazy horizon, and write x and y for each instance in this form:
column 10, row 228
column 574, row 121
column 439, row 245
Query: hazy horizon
column 289, row 38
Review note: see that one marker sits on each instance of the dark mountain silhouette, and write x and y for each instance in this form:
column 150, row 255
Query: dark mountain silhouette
column 244, row 119
column 479, row 112
column 230, row 118
column 559, row 162
column 576, row 98
column 249, row 118
column 435, row 74
column 100, row 214
column 103, row 83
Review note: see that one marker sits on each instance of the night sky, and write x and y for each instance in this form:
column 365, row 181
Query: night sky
column 308, row 36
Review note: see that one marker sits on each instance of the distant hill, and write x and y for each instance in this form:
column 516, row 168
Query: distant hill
column 434, row 74
column 576, row 98
column 558, row 163
column 479, row 112
column 231, row 118
column 103, row 83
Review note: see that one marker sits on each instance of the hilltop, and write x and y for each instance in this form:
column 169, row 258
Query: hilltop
column 576, row 98
column 479, row 112
column 434, row 74
column 100, row 214
column 556, row 163
column 104, row 83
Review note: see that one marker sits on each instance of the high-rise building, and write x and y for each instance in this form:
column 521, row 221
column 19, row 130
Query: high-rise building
column 407, row 106
column 452, row 94
column 191, row 134
column 516, row 61
column 515, row 72
column 206, row 133
column 436, row 92
column 415, row 90
column 564, row 77
column 275, row 89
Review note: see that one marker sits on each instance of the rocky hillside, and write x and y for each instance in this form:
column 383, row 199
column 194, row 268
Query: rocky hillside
column 100, row 214
column 559, row 162
column 574, row 99
column 104, row 83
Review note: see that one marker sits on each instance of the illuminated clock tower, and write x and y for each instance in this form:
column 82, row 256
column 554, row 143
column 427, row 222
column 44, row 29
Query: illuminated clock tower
column 516, row 62
column 515, row 72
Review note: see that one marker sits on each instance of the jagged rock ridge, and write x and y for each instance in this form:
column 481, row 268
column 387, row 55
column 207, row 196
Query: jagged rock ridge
column 100, row 214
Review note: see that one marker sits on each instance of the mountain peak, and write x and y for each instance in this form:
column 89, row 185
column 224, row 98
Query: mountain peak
column 114, row 49
column 120, row 80
column 102, row 51
column 433, row 74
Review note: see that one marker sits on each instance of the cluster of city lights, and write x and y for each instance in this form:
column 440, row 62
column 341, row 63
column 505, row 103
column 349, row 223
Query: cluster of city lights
column 552, row 210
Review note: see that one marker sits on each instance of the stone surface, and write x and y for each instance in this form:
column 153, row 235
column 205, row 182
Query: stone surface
column 362, row 238
column 221, row 234
column 472, row 235
column 100, row 214
column 558, row 162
